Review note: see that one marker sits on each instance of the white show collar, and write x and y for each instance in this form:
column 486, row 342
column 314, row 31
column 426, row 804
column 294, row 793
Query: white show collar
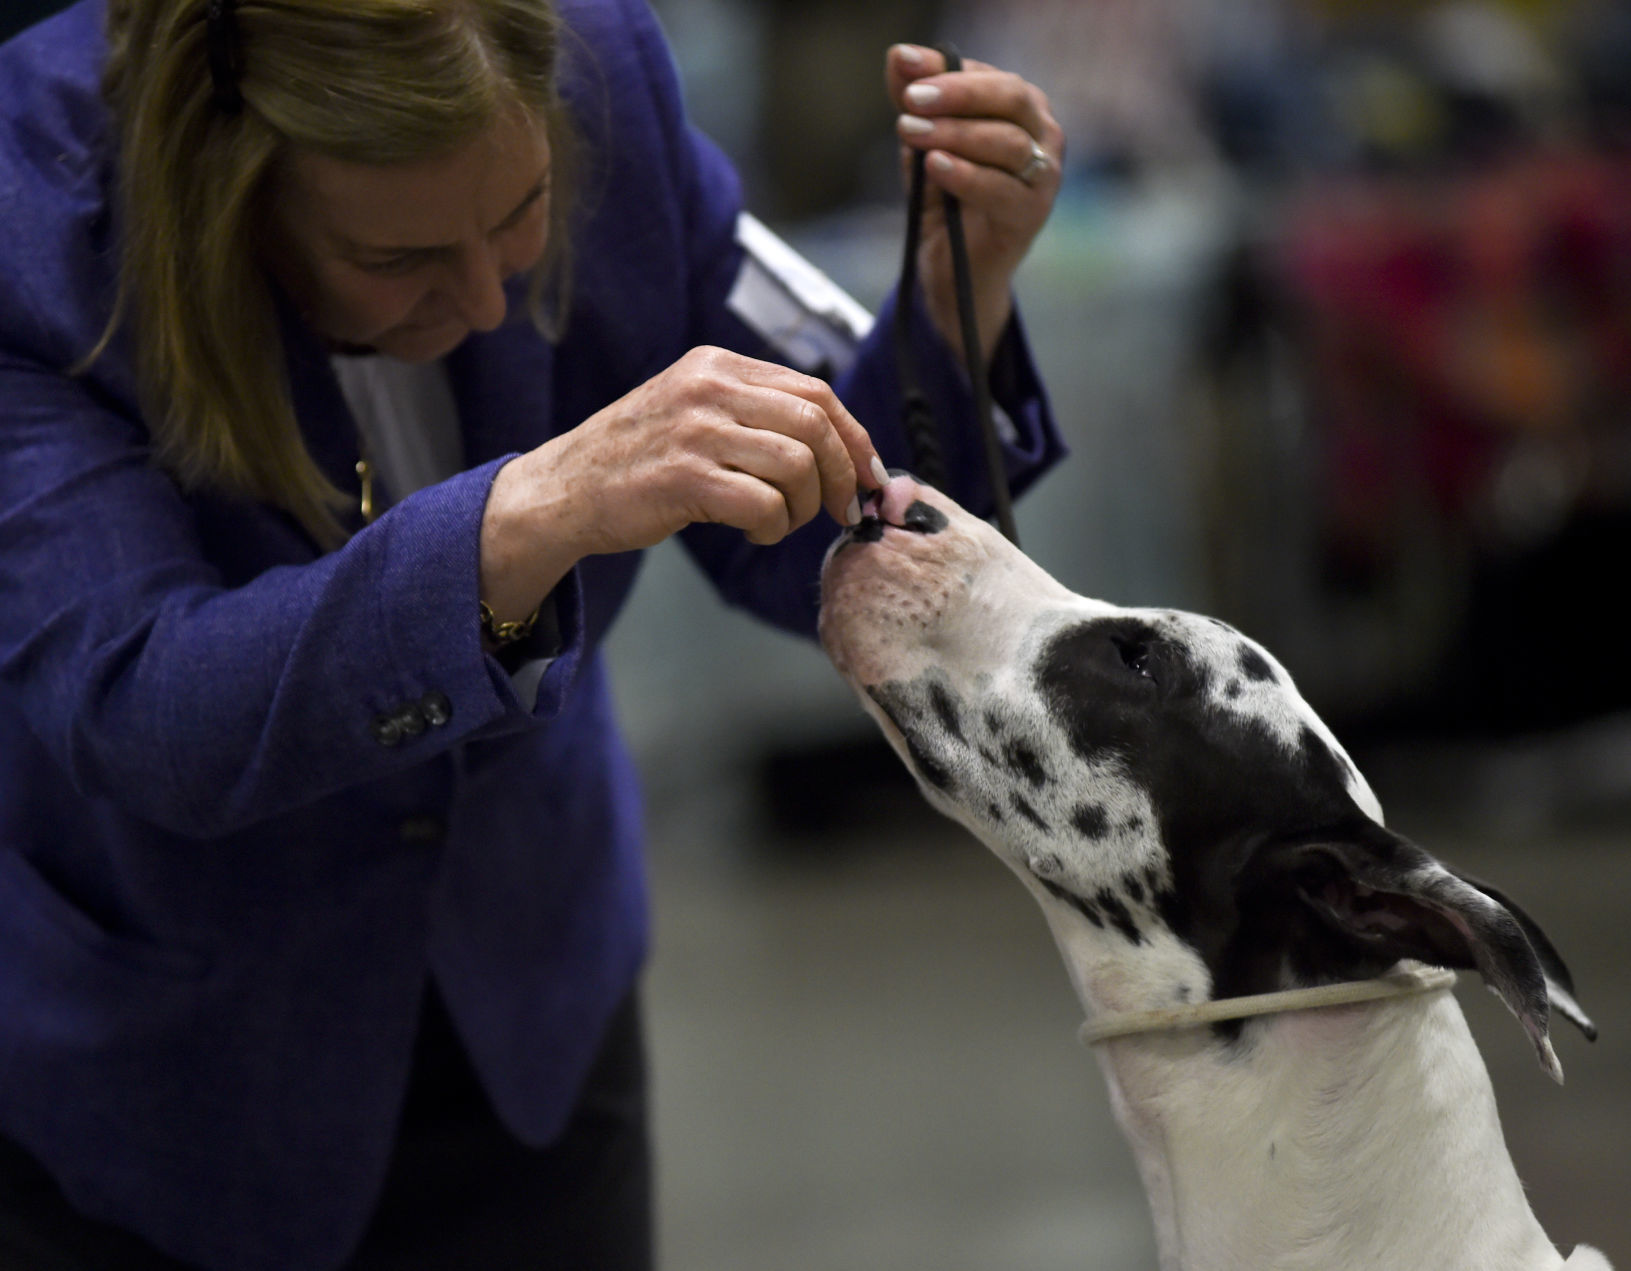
column 1402, row 982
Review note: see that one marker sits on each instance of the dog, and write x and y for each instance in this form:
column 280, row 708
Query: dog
column 1194, row 834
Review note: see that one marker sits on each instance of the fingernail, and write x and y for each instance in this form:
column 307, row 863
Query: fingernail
column 941, row 162
column 909, row 53
column 852, row 514
column 915, row 124
column 923, row 94
column 880, row 474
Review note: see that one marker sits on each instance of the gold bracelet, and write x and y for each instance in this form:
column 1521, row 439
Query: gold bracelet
column 502, row 633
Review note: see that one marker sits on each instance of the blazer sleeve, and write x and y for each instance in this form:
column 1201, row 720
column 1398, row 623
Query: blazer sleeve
column 200, row 702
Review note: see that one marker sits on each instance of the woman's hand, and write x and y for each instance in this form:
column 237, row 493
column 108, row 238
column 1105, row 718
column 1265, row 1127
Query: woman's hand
column 716, row 437
column 992, row 142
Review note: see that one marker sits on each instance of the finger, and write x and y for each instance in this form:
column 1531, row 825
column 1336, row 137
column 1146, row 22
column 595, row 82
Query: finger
column 844, row 452
column 800, row 419
column 905, row 63
column 989, row 143
column 996, row 192
column 725, row 496
column 870, row 472
column 821, row 419
column 746, row 503
column 781, row 462
column 984, row 94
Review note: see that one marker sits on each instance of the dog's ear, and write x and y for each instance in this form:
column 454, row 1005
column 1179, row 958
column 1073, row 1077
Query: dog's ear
column 1386, row 899
column 1559, row 983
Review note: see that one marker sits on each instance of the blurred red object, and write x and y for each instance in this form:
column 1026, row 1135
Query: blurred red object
column 1453, row 324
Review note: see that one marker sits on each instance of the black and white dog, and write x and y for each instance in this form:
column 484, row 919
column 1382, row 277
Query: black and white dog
column 1194, row 833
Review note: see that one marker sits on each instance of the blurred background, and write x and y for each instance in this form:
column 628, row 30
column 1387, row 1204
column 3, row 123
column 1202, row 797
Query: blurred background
column 1335, row 309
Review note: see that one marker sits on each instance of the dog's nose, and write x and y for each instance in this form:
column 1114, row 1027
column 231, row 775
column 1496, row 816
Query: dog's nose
column 901, row 503
column 923, row 519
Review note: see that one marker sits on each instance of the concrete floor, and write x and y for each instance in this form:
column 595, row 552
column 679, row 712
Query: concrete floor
column 864, row 1044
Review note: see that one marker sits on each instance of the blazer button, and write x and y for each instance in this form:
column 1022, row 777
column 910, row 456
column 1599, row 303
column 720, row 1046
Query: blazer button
column 436, row 708
column 387, row 730
column 412, row 720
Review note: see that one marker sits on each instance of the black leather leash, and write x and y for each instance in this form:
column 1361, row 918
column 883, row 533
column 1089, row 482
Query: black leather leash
column 928, row 462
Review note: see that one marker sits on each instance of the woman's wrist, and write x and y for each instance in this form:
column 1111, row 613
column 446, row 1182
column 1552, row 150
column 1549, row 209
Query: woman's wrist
column 993, row 307
column 526, row 542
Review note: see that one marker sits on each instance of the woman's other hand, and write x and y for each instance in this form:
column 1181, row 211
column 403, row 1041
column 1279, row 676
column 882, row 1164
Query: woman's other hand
column 991, row 141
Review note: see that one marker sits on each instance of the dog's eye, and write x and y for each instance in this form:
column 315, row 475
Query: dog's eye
column 1135, row 655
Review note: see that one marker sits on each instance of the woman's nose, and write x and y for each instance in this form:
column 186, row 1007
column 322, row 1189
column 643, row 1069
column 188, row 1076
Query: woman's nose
column 479, row 288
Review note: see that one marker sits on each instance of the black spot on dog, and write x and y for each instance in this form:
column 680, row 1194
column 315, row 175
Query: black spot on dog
column 924, row 519
column 995, row 812
column 903, row 704
column 1119, row 917
column 1135, row 889
column 1083, row 907
column 945, row 709
column 891, row 699
column 993, row 723
column 1133, row 824
column 1029, row 813
column 928, row 767
column 1323, row 763
column 1096, row 687
column 1233, row 689
column 1026, row 763
column 1254, row 666
column 1091, row 821
column 1166, row 905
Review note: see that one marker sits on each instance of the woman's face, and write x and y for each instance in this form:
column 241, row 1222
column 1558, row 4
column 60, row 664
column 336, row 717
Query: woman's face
column 408, row 259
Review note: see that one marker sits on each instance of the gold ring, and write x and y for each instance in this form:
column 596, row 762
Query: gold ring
column 1037, row 163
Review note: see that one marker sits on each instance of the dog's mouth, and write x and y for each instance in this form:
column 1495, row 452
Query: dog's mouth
column 889, row 508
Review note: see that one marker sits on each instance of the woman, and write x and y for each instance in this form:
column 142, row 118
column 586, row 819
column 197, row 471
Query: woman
column 350, row 352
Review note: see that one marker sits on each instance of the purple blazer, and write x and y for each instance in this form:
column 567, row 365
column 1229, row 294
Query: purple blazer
column 253, row 794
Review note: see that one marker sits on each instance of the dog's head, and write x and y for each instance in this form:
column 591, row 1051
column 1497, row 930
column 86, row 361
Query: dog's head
column 1190, row 826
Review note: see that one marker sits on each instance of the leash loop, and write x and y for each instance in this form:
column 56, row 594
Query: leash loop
column 917, row 419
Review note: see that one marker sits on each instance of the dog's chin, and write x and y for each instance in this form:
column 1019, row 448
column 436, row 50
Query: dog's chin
column 881, row 600
column 864, row 660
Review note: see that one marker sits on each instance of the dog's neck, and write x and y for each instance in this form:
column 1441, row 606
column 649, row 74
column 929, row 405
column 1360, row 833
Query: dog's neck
column 1341, row 1139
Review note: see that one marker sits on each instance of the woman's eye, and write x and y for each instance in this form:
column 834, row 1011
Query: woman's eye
column 1135, row 654
column 392, row 264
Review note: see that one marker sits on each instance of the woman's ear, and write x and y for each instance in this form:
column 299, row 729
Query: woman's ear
column 1388, row 899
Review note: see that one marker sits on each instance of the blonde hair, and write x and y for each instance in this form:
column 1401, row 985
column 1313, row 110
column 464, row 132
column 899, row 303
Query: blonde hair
column 363, row 81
